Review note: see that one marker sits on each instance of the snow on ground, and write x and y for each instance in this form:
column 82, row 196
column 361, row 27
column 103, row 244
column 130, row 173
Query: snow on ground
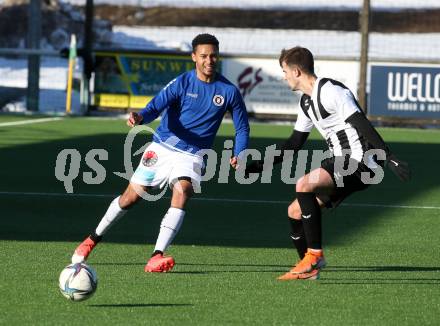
column 53, row 75
column 274, row 4
column 394, row 47
column 53, row 80
column 402, row 47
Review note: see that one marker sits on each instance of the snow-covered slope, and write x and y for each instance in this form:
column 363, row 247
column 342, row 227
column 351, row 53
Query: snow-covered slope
column 273, row 4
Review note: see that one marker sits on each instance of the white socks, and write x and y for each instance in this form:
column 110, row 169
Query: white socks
column 113, row 214
column 169, row 227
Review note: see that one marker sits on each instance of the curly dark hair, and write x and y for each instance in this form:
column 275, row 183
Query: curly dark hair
column 204, row 39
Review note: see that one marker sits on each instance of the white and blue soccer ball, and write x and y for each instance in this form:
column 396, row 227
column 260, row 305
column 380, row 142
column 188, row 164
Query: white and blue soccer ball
column 78, row 282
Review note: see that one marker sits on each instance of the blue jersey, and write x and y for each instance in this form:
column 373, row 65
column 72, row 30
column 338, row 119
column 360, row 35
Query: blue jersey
column 192, row 111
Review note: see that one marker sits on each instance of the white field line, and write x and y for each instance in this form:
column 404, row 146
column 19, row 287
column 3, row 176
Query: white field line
column 226, row 200
column 25, row 122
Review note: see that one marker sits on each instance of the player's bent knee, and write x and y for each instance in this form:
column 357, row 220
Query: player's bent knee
column 303, row 185
column 182, row 196
column 183, row 189
column 300, row 185
column 294, row 211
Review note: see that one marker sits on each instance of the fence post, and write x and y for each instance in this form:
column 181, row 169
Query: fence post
column 72, row 58
column 33, row 42
column 364, row 20
column 88, row 58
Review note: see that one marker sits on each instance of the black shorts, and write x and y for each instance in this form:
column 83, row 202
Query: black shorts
column 351, row 183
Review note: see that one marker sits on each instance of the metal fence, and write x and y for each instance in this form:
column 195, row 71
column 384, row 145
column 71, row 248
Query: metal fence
column 399, row 31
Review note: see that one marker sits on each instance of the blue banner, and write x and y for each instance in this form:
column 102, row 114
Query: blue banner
column 405, row 91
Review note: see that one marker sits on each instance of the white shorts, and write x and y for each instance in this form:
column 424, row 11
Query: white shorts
column 160, row 165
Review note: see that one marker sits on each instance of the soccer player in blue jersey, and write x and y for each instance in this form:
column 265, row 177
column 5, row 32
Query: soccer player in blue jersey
column 192, row 107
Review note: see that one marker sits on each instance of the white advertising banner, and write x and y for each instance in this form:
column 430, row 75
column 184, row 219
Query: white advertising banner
column 264, row 90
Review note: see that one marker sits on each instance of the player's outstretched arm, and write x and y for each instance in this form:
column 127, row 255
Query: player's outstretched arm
column 294, row 142
column 240, row 119
column 361, row 123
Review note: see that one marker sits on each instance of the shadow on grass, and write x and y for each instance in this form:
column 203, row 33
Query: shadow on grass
column 188, row 264
column 380, row 281
column 226, row 271
column 382, row 269
column 140, row 305
column 411, row 271
column 30, row 168
column 264, row 268
column 245, row 268
column 232, row 265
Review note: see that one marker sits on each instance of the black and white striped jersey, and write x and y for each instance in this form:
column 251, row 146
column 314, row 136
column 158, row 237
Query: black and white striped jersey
column 327, row 109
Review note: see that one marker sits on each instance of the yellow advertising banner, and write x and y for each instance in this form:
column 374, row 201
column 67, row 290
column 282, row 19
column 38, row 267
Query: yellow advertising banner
column 125, row 80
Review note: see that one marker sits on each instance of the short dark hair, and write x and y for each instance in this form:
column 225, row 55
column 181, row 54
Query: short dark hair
column 204, row 39
column 300, row 57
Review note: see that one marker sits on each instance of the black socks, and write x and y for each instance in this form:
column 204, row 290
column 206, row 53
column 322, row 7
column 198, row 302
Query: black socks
column 311, row 219
column 298, row 237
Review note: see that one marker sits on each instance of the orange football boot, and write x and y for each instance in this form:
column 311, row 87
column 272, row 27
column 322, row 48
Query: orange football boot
column 159, row 264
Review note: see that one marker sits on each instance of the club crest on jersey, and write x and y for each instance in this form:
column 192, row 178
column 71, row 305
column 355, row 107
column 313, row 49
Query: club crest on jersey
column 149, row 159
column 218, row 100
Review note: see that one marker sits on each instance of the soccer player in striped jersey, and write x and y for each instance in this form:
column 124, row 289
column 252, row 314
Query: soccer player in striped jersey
column 192, row 108
column 331, row 107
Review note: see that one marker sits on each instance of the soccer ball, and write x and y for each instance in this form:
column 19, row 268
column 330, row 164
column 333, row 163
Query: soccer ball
column 78, row 282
